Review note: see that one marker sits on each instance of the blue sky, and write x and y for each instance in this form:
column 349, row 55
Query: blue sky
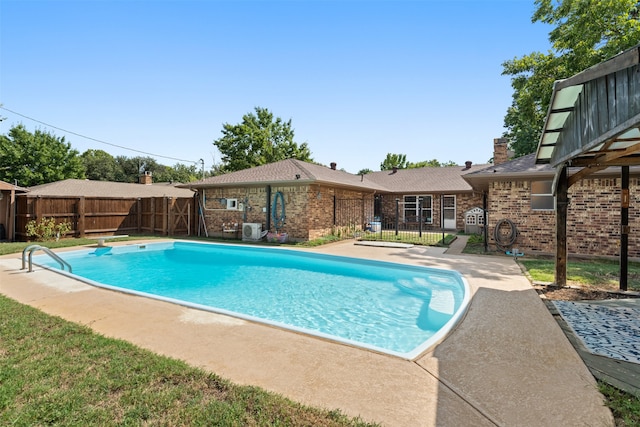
column 358, row 79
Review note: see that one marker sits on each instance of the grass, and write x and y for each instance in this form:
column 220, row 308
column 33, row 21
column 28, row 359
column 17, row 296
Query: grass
column 602, row 274
column 412, row 237
column 56, row 372
column 624, row 406
column 59, row 373
column 319, row 241
column 595, row 273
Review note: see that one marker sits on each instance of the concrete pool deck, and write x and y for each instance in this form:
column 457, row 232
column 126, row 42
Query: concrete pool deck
column 507, row 363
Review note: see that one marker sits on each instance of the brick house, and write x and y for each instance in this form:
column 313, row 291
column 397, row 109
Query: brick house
column 445, row 195
column 319, row 200
column 521, row 190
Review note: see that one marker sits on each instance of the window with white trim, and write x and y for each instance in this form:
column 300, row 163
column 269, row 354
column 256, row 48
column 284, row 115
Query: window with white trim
column 412, row 206
column 232, row 204
column 542, row 198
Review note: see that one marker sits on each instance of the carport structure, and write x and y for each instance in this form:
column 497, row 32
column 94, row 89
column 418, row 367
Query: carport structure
column 593, row 123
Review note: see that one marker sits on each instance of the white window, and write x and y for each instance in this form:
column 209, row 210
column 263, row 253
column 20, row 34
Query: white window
column 542, row 198
column 232, row 204
column 412, row 207
column 471, row 219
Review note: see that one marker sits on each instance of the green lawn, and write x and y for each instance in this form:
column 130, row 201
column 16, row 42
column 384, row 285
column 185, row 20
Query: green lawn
column 54, row 372
column 596, row 273
column 58, row 373
column 603, row 274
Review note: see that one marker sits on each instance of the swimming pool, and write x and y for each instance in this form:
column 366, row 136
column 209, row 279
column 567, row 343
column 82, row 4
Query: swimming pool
column 392, row 308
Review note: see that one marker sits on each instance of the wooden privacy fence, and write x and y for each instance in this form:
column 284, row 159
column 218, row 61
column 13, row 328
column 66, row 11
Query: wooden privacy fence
column 167, row 216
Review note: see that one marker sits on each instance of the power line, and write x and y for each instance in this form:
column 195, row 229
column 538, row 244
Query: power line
column 94, row 139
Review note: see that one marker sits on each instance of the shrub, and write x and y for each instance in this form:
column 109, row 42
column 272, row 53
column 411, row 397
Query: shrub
column 46, row 229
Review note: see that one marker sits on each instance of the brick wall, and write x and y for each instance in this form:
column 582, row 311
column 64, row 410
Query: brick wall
column 593, row 218
column 500, row 150
column 464, row 202
column 309, row 209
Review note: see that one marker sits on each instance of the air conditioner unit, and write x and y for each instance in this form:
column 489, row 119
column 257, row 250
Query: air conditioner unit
column 251, row 231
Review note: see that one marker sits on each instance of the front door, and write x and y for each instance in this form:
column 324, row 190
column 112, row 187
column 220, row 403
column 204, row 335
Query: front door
column 449, row 212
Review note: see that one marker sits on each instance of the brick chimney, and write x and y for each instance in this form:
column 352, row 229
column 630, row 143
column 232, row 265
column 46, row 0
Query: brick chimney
column 146, row 178
column 500, row 150
column 333, row 165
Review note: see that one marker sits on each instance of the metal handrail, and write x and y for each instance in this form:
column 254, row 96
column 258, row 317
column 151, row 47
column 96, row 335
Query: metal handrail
column 32, row 248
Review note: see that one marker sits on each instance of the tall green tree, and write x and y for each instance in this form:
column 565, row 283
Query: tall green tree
column 434, row 163
column 178, row 173
column 585, row 33
column 364, row 171
column 394, row 161
column 37, row 158
column 259, row 139
column 99, row 165
column 129, row 169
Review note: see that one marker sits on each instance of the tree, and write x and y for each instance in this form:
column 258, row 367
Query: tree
column 37, row 158
column 394, row 161
column 586, row 33
column 130, row 168
column 430, row 164
column 99, row 165
column 364, row 171
column 178, row 173
column 258, row 140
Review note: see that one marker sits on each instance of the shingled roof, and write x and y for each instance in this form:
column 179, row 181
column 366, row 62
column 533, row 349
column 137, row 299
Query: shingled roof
column 525, row 168
column 519, row 168
column 446, row 179
column 89, row 188
column 5, row 186
column 291, row 172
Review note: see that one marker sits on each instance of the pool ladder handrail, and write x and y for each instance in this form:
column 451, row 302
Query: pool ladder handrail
column 32, row 248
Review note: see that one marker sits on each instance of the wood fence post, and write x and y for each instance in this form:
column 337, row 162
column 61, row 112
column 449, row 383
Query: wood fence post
column 165, row 215
column 139, row 211
column 80, row 227
column 37, row 208
column 152, row 222
column 11, row 231
column 170, row 215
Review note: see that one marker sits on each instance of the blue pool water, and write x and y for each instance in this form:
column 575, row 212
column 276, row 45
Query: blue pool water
column 392, row 308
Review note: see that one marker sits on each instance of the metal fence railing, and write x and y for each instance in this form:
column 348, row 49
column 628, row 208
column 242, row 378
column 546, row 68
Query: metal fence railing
column 391, row 230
